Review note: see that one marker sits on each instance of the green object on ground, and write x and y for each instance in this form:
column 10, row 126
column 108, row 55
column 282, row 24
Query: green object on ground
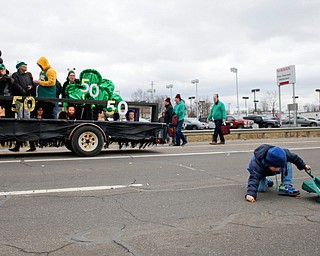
column 312, row 186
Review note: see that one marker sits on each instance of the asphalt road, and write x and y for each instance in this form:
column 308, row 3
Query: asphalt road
column 157, row 201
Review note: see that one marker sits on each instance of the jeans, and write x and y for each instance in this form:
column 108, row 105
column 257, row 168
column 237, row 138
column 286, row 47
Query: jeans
column 56, row 110
column 286, row 178
column 22, row 113
column 217, row 132
column 179, row 134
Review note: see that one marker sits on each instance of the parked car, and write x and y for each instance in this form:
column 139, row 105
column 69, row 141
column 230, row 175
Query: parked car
column 236, row 122
column 210, row 125
column 194, row 124
column 302, row 121
column 263, row 121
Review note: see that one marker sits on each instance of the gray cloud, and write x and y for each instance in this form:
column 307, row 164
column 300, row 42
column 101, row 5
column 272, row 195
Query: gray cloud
column 136, row 42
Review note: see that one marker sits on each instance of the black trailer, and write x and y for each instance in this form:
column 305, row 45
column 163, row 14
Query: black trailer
column 84, row 137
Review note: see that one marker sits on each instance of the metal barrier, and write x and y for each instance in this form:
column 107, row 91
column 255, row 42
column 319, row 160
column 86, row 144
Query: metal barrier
column 283, row 132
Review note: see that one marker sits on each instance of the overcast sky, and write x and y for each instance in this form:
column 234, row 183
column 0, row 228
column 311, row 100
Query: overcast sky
column 134, row 42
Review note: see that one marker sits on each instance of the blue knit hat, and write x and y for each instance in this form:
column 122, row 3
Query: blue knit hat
column 276, row 157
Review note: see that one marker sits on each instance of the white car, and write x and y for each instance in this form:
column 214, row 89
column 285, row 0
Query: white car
column 302, row 121
column 194, row 124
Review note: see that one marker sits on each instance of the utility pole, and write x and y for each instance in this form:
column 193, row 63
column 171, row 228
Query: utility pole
column 152, row 91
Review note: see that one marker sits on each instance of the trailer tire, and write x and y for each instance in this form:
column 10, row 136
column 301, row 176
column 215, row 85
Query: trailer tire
column 87, row 141
column 68, row 145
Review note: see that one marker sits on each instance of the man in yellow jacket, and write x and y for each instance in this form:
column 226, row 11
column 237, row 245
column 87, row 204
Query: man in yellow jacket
column 46, row 87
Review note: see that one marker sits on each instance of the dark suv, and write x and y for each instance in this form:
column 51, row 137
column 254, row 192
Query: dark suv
column 263, row 121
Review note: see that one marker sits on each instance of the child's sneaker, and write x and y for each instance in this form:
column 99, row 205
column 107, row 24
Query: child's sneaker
column 269, row 182
column 288, row 190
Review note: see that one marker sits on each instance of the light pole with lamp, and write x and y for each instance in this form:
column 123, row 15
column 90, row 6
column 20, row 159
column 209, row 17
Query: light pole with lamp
column 245, row 104
column 254, row 99
column 191, row 98
column 169, row 86
column 196, row 81
column 235, row 70
column 318, row 90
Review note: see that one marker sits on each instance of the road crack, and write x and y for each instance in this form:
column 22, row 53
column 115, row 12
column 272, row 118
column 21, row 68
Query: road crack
column 44, row 253
column 126, row 247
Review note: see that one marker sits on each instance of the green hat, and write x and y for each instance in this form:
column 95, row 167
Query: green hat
column 20, row 63
column 2, row 66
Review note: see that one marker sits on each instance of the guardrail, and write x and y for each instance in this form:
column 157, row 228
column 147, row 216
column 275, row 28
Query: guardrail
column 262, row 133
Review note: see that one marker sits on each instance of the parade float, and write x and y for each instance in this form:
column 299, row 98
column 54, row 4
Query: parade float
column 88, row 136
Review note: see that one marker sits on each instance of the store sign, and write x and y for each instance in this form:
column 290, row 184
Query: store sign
column 286, row 75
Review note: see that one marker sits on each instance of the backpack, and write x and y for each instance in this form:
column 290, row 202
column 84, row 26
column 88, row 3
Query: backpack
column 58, row 88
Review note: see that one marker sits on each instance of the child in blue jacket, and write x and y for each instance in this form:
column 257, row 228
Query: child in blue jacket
column 270, row 160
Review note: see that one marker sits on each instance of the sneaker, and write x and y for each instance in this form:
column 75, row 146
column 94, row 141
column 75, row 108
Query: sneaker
column 14, row 149
column 269, row 182
column 31, row 149
column 221, row 142
column 184, row 143
column 288, row 190
column 213, row 143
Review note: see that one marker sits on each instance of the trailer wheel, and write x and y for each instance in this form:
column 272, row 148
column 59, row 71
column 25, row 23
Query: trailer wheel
column 68, row 145
column 87, row 141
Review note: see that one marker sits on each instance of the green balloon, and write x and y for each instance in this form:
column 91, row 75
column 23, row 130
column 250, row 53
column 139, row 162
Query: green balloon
column 90, row 77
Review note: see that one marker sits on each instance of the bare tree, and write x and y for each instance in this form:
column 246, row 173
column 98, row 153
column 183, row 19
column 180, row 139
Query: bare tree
column 270, row 102
column 139, row 95
column 264, row 105
column 310, row 107
column 159, row 99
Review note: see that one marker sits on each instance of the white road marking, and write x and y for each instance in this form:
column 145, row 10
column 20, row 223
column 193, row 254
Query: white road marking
column 63, row 190
column 228, row 152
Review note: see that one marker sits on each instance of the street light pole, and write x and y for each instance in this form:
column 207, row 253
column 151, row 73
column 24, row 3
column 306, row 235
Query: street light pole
column 234, row 70
column 245, row 104
column 318, row 90
column 191, row 98
column 169, row 86
column 254, row 99
column 196, row 81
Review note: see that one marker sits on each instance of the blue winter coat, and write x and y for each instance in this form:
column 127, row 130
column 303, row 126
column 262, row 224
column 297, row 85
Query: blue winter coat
column 258, row 168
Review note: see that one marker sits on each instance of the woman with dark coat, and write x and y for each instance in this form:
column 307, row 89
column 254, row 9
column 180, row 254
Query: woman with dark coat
column 5, row 90
column 168, row 118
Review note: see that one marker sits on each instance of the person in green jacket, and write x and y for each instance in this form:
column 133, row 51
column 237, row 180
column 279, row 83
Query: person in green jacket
column 178, row 111
column 218, row 115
